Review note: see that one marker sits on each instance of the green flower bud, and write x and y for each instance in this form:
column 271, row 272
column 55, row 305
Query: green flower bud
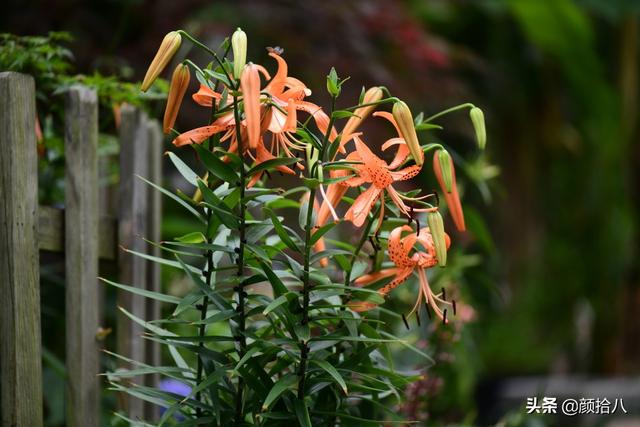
column 477, row 118
column 239, row 45
column 404, row 119
column 444, row 160
column 312, row 159
column 436, row 227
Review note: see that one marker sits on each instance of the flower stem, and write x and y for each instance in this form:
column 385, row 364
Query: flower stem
column 306, row 283
column 241, row 339
column 449, row 110
column 363, row 238
column 306, row 288
column 207, row 273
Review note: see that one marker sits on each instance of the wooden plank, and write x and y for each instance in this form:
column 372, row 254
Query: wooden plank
column 20, row 344
column 81, row 257
column 132, row 221
column 51, row 232
column 154, row 222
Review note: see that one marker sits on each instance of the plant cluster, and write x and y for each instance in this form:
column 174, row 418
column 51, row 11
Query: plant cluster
column 284, row 317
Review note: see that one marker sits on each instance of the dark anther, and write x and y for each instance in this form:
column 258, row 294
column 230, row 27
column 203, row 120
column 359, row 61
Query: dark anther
column 236, row 288
column 444, row 317
column 199, row 306
column 236, row 250
column 238, row 184
column 418, row 227
column 418, row 317
column 453, row 304
column 406, row 324
column 244, row 241
column 444, row 296
column 237, row 338
column 435, row 193
column 244, row 294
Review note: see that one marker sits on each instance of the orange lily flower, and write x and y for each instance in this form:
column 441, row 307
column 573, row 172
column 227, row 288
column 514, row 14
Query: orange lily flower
column 273, row 110
column 336, row 191
column 400, row 251
column 452, row 197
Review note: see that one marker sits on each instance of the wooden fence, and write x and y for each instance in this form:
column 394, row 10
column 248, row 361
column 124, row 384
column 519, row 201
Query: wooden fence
column 84, row 232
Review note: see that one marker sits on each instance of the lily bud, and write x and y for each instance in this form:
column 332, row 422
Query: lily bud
column 239, row 45
column 250, row 85
column 179, row 84
column 477, row 118
column 373, row 94
column 452, row 197
column 404, row 119
column 436, row 227
column 169, row 46
column 444, row 158
column 312, row 158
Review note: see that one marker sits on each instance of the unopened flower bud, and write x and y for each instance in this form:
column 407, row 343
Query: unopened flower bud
column 169, row 46
column 443, row 171
column 373, row 94
column 250, row 86
column 444, row 159
column 312, row 159
column 477, row 118
column 239, row 45
column 436, row 227
column 179, row 84
column 404, row 119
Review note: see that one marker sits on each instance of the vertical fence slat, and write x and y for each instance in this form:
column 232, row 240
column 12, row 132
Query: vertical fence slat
column 132, row 219
column 20, row 345
column 154, row 224
column 81, row 257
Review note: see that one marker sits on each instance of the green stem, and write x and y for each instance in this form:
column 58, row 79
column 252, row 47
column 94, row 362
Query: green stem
column 306, row 288
column 363, row 238
column 449, row 110
column 208, row 50
column 239, row 418
column 306, row 282
column 207, row 273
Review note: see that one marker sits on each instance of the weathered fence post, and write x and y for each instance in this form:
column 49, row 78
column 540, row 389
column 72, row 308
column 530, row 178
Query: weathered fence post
column 20, row 345
column 81, row 257
column 154, row 223
column 132, row 228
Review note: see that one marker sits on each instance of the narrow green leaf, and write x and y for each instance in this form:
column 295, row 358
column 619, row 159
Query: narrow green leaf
column 185, row 171
column 145, row 293
column 216, row 166
column 183, row 203
column 275, row 304
column 282, row 233
column 195, row 237
column 272, row 164
column 302, row 413
column 278, row 388
column 329, row 369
